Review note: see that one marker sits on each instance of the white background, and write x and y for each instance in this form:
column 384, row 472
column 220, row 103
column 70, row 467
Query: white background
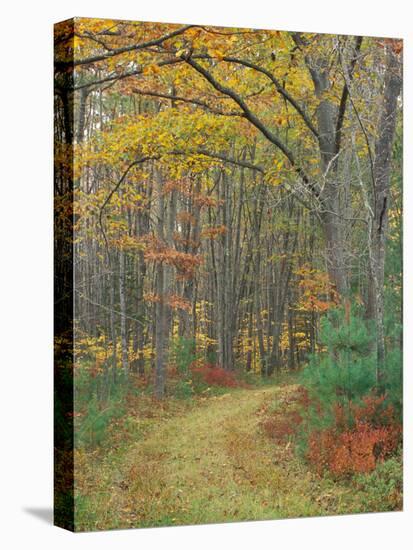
column 26, row 273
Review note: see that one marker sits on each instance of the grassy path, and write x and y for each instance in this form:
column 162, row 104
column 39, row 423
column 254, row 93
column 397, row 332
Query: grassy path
column 209, row 464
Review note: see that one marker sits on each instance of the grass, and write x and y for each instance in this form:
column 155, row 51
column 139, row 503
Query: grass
column 204, row 461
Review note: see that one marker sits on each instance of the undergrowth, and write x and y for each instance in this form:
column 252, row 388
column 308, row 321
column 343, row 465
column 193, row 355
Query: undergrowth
column 337, row 419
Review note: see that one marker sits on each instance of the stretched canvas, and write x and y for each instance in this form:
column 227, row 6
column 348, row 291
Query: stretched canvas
column 228, row 276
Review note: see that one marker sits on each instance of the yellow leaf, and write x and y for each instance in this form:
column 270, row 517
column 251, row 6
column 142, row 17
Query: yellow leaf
column 216, row 53
column 151, row 69
column 179, row 53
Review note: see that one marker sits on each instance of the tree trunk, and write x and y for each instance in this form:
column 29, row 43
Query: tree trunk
column 112, row 325
column 382, row 165
column 331, row 215
column 160, row 307
column 122, row 301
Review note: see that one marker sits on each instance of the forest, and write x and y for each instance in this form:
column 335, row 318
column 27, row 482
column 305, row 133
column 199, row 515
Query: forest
column 233, row 200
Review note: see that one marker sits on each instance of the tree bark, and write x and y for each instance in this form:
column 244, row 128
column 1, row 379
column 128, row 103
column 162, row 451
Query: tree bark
column 122, row 301
column 160, row 307
column 381, row 192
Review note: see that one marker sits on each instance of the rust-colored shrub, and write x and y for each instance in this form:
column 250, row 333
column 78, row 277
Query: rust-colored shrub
column 282, row 426
column 360, row 436
column 345, row 448
column 353, row 451
column 214, row 375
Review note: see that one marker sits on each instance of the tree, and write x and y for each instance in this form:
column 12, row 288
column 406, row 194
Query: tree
column 212, row 167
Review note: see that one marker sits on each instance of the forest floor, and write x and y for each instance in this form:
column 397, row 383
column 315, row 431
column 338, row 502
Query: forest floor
column 203, row 462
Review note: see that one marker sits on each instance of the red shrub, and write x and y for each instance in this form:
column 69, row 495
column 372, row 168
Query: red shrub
column 360, row 436
column 216, row 376
column 374, row 411
column 302, row 397
column 353, row 451
column 281, row 426
column 344, row 450
column 284, row 423
column 320, row 446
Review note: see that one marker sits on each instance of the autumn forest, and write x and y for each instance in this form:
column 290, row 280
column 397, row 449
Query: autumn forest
column 228, row 273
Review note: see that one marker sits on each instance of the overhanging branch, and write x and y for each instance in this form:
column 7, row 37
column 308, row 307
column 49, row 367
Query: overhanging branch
column 280, row 89
column 124, row 49
column 173, row 97
column 222, row 158
column 253, row 119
